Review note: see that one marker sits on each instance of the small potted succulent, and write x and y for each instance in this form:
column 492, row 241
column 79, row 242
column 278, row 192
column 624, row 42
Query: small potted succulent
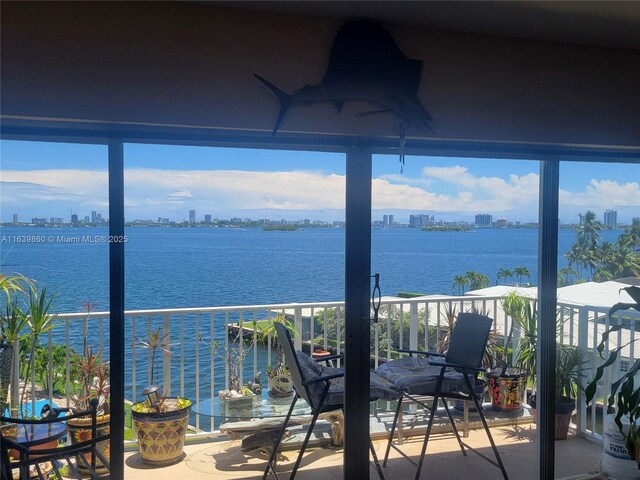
column 160, row 422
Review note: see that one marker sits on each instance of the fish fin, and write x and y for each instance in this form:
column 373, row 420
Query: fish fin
column 372, row 112
column 339, row 105
column 283, row 97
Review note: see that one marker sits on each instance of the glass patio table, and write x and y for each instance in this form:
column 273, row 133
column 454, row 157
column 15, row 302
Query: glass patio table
column 257, row 420
column 257, row 407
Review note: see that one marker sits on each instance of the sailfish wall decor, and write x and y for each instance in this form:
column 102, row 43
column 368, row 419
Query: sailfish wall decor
column 365, row 64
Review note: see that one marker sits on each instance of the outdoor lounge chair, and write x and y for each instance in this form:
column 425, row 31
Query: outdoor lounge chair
column 443, row 377
column 56, row 456
column 323, row 389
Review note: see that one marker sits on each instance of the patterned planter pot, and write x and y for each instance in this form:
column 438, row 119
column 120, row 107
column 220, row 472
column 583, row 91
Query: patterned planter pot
column 161, row 434
column 507, row 389
column 80, row 430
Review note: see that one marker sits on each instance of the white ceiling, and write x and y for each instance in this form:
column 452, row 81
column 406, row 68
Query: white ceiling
column 602, row 23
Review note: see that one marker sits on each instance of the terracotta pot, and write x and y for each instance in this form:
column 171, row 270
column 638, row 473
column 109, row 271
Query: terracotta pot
column 161, row 435
column 80, row 430
column 564, row 411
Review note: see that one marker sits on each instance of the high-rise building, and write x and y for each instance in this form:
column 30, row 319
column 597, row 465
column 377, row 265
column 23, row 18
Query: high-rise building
column 611, row 219
column 207, row 218
column 15, row 218
column 385, row 220
column 86, row 219
column 390, row 220
column 98, row 218
column 94, row 216
column 192, row 216
column 74, row 218
column 484, row 220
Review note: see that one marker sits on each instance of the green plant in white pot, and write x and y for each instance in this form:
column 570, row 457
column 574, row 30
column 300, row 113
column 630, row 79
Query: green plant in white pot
column 624, row 397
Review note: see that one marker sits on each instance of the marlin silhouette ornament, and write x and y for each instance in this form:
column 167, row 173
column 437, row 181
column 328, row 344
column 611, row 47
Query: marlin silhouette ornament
column 365, row 64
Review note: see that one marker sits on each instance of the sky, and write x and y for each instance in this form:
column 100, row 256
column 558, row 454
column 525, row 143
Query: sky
column 57, row 179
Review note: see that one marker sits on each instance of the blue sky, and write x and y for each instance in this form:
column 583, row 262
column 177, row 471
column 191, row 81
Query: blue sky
column 55, row 179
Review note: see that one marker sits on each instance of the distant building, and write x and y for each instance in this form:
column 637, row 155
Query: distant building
column 421, row 220
column 307, row 222
column 502, row 222
column 39, row 220
column 86, row 219
column 74, row 218
column 15, row 218
column 390, row 220
column 207, row 218
column 94, row 216
column 385, row 220
column 98, row 218
column 55, row 220
column 192, row 216
column 611, row 219
column 484, row 220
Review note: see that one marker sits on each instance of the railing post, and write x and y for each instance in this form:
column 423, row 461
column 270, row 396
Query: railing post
column 166, row 358
column 583, row 346
column 413, row 326
column 297, row 323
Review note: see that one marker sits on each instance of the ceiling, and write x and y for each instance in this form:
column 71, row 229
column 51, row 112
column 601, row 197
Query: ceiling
column 601, row 23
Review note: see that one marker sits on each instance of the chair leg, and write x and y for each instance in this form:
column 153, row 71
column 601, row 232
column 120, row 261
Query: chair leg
column 453, row 426
column 304, row 445
column 486, row 429
column 434, row 408
column 393, row 430
column 271, row 464
column 375, row 460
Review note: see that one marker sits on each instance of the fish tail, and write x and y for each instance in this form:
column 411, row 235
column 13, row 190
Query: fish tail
column 285, row 100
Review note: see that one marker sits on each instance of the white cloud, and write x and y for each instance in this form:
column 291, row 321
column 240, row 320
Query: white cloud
column 150, row 193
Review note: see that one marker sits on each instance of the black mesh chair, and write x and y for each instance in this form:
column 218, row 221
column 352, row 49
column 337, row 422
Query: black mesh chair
column 443, row 377
column 323, row 389
column 57, row 456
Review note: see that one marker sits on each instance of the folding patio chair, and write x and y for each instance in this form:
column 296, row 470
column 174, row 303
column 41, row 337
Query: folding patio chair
column 323, row 389
column 53, row 455
column 443, row 377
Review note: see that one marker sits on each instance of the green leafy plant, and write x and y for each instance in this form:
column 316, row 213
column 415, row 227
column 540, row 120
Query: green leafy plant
column 267, row 333
column 51, row 375
column 624, row 397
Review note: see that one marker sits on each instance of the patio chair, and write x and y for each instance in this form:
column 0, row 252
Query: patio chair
column 443, row 377
column 323, row 389
column 56, row 456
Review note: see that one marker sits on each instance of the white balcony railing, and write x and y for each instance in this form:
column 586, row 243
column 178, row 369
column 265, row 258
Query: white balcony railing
column 189, row 367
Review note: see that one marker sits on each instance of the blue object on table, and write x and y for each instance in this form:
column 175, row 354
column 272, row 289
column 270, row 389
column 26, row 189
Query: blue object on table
column 26, row 411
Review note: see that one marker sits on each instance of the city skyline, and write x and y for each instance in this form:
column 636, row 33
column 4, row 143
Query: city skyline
column 50, row 180
column 387, row 220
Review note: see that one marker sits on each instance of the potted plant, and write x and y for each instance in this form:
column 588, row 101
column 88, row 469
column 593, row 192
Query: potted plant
column 160, row 422
column 12, row 326
column 508, row 384
column 92, row 382
column 624, row 398
column 279, row 378
column 569, row 361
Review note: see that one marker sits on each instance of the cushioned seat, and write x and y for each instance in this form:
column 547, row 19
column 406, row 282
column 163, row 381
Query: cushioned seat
column 322, row 387
column 414, row 375
column 443, row 377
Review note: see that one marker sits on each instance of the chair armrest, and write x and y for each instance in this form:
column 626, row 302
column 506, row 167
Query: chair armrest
column 419, row 352
column 442, row 363
column 330, row 357
column 6, row 443
column 323, row 378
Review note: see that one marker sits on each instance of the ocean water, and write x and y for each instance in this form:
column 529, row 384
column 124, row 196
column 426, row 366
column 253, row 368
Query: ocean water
column 199, row 267
column 203, row 267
